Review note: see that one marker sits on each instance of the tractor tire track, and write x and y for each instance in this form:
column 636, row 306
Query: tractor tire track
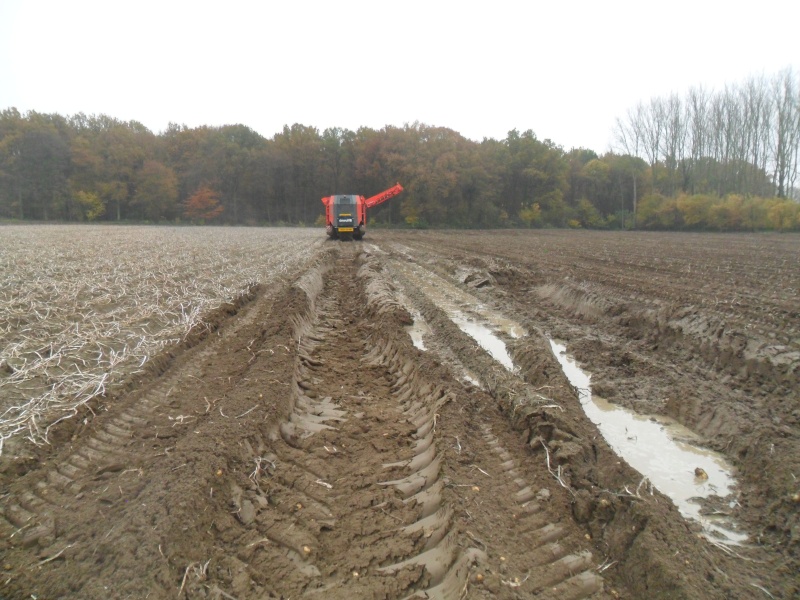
column 43, row 513
column 103, row 450
column 351, row 395
column 307, row 449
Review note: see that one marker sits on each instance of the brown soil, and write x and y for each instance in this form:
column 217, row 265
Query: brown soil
column 302, row 446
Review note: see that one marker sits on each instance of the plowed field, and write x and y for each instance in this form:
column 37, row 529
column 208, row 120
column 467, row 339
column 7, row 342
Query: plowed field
column 293, row 441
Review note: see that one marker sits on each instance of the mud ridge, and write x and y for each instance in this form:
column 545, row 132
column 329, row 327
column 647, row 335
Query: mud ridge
column 559, row 571
column 636, row 532
column 445, row 560
column 732, row 352
column 728, row 378
column 108, row 461
column 742, row 369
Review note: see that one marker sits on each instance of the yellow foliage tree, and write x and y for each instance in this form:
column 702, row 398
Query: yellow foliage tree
column 694, row 209
column 91, row 204
column 531, row 215
column 784, row 215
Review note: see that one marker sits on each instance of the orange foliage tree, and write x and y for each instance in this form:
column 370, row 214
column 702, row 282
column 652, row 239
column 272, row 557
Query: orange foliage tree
column 203, row 205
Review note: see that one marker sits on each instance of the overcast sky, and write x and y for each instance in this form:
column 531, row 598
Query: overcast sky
column 565, row 70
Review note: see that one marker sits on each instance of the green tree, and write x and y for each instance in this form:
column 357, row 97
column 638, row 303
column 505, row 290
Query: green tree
column 34, row 164
column 296, row 170
column 410, row 212
column 588, row 216
column 337, row 159
column 12, row 126
column 577, row 158
column 597, row 175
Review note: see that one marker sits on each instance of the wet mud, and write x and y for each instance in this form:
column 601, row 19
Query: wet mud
column 306, row 445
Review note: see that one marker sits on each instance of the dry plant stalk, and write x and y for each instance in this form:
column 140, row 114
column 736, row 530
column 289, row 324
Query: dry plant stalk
column 83, row 307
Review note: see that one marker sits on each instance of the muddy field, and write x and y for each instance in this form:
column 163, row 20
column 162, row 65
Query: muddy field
column 299, row 442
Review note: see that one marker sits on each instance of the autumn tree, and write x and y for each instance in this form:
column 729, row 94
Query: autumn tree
column 156, row 192
column 203, row 205
column 106, row 157
column 89, row 204
column 531, row 215
column 711, row 160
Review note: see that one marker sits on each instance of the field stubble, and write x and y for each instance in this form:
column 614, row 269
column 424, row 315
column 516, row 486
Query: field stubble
column 83, row 308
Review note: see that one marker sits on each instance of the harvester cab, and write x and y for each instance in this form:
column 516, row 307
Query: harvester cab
column 346, row 220
column 346, row 214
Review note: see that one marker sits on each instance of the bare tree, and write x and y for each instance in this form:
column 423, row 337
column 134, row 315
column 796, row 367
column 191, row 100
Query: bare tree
column 629, row 139
column 673, row 138
column 756, row 123
column 697, row 123
column 743, row 139
column 785, row 132
column 628, row 132
column 653, row 125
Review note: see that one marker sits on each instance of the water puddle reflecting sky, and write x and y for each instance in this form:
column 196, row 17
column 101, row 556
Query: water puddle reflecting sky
column 654, row 449
column 466, row 311
column 418, row 330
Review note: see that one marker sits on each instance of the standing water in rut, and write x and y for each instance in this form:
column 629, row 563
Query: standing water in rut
column 652, row 448
column 466, row 312
column 662, row 452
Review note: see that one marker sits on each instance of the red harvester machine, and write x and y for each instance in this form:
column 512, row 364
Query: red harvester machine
column 346, row 215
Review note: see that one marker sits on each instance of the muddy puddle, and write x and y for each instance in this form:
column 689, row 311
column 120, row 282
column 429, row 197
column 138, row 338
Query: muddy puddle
column 418, row 329
column 467, row 312
column 662, row 451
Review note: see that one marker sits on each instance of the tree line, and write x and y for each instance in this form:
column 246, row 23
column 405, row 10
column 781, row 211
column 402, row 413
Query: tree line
column 725, row 161
column 743, row 139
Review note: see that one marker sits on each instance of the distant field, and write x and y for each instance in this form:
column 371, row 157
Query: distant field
column 82, row 306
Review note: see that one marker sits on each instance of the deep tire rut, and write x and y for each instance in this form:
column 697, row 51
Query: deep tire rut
column 322, row 493
column 306, row 449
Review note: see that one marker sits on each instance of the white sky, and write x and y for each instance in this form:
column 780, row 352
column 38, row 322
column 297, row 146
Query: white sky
column 565, row 70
